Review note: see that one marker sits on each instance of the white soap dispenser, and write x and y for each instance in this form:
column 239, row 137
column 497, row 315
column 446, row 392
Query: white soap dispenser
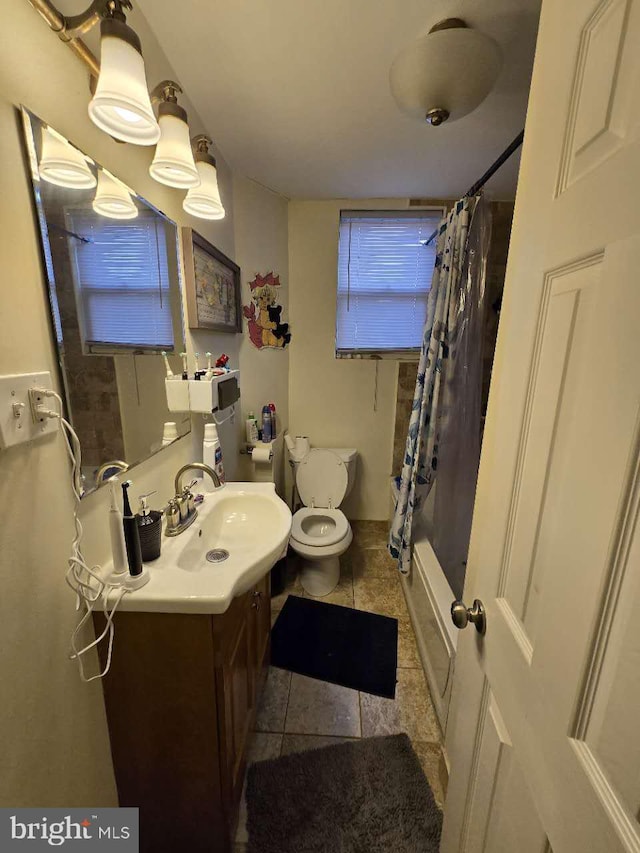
column 116, row 530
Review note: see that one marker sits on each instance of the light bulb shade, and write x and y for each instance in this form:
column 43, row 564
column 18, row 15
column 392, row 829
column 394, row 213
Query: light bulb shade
column 204, row 201
column 121, row 105
column 113, row 199
column 449, row 70
column 62, row 164
column 173, row 163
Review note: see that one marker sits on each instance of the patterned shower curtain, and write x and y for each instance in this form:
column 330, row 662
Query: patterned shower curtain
column 430, row 403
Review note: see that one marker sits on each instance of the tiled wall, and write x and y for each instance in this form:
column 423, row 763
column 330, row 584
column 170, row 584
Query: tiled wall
column 502, row 214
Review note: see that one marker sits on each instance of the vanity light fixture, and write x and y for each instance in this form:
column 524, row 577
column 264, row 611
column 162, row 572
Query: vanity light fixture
column 113, row 199
column 173, row 163
column 204, row 200
column 62, row 164
column 121, row 105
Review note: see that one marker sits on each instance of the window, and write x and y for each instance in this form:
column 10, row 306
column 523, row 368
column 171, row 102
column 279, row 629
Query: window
column 121, row 275
column 384, row 277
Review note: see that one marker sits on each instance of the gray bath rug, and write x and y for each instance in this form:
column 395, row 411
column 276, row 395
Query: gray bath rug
column 365, row 796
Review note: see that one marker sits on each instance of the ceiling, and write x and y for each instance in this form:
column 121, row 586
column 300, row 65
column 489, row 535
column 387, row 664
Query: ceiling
column 296, row 95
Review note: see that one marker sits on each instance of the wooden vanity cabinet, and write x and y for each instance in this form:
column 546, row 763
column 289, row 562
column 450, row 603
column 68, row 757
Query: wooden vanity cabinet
column 181, row 699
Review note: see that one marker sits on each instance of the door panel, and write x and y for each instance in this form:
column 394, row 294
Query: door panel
column 554, row 551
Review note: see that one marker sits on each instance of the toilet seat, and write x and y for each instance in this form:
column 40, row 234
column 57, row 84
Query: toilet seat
column 302, row 518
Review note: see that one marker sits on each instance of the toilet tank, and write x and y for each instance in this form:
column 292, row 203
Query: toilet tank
column 348, row 456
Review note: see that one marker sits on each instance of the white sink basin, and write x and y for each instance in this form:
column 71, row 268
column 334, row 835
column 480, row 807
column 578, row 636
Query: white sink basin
column 246, row 519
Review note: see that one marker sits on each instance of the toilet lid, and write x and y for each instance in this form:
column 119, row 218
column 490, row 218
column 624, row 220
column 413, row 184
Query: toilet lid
column 322, row 478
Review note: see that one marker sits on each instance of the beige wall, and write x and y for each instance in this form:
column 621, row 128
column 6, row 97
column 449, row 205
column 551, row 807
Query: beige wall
column 261, row 246
column 52, row 727
column 333, row 401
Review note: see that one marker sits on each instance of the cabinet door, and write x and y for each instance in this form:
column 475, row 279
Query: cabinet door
column 261, row 607
column 235, row 697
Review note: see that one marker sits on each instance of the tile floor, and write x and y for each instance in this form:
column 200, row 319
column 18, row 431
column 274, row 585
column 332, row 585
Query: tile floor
column 299, row 713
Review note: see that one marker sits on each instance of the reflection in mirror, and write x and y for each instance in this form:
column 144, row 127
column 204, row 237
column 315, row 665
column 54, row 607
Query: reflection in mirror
column 114, row 291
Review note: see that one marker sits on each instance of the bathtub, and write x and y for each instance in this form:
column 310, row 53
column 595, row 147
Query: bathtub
column 429, row 596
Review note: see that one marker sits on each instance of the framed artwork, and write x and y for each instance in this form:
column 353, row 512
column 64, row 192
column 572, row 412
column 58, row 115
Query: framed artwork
column 212, row 283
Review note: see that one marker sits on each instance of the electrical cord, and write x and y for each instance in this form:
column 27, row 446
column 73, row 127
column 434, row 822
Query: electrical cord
column 84, row 580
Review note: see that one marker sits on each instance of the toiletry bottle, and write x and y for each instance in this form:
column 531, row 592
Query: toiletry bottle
column 116, row 531
column 149, row 529
column 255, row 437
column 272, row 406
column 266, row 424
column 131, row 535
column 252, row 428
column 212, row 450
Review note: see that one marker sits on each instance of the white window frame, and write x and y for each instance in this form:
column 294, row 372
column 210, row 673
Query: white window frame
column 407, row 354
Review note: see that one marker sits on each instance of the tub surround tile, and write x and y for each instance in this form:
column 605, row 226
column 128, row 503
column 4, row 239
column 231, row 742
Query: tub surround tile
column 319, row 708
column 302, row 743
column 411, row 711
column 273, row 705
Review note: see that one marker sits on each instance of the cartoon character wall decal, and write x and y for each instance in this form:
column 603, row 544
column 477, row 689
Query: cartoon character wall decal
column 264, row 314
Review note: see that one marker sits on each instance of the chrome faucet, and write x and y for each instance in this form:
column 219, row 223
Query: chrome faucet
column 181, row 510
column 118, row 465
column 196, row 466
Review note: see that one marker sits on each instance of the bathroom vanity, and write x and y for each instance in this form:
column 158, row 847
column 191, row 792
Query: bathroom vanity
column 189, row 659
column 181, row 699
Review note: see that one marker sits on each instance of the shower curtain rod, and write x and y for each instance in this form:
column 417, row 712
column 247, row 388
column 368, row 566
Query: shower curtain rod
column 493, row 168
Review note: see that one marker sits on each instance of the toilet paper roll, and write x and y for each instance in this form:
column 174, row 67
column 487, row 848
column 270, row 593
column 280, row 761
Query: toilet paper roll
column 261, row 455
column 302, row 446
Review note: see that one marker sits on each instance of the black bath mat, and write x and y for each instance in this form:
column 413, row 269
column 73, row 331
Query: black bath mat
column 337, row 644
column 369, row 794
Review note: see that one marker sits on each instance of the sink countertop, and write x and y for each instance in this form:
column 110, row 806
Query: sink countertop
column 247, row 519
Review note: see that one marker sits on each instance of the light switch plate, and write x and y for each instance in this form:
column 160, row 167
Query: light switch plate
column 16, row 422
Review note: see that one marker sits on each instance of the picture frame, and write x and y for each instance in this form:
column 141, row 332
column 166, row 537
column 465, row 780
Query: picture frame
column 212, row 283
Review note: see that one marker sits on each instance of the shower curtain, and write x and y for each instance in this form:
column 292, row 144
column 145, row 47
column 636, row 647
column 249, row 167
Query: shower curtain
column 445, row 427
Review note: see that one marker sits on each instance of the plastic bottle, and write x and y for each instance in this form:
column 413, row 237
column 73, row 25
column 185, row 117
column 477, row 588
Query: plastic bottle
column 252, row 428
column 272, row 406
column 266, row 424
column 116, row 530
column 212, row 450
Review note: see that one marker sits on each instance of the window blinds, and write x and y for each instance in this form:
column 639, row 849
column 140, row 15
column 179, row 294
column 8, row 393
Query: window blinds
column 122, row 280
column 384, row 277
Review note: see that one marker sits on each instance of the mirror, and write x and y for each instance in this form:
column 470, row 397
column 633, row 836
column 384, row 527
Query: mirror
column 115, row 298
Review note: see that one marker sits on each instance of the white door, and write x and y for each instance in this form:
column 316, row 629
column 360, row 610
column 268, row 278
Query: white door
column 545, row 739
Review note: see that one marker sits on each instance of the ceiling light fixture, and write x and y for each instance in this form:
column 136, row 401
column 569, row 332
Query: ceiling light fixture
column 121, row 105
column 173, row 163
column 113, row 199
column 204, row 200
column 446, row 74
column 62, row 164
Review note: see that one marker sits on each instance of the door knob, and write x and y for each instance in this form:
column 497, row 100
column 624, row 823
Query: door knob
column 461, row 615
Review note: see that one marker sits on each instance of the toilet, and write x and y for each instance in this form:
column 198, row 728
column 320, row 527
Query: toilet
column 320, row 531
